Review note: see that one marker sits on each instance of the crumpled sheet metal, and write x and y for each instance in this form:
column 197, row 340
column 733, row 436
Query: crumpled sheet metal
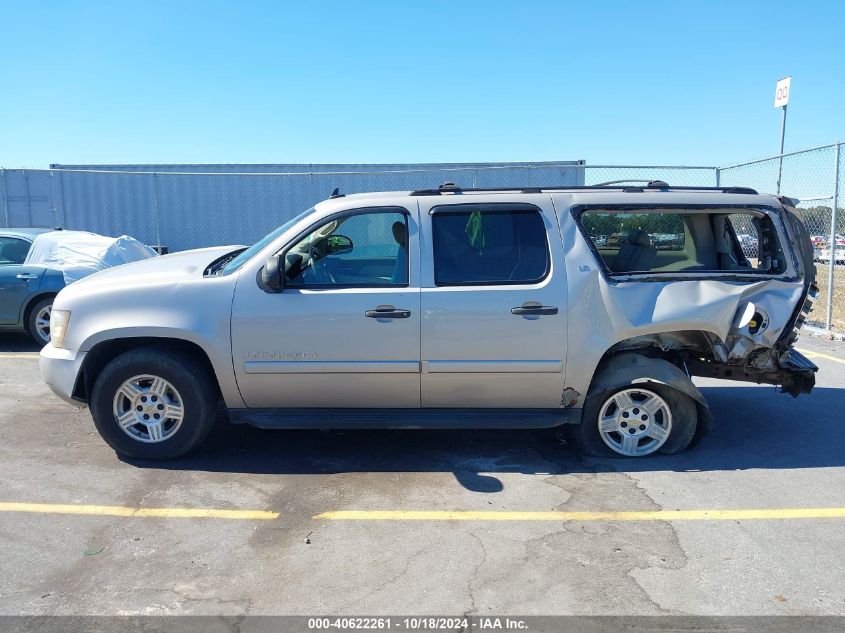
column 707, row 305
column 604, row 312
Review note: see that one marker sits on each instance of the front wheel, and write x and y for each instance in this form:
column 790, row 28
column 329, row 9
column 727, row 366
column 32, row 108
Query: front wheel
column 154, row 404
column 637, row 420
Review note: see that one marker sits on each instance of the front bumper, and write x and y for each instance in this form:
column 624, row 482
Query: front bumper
column 60, row 369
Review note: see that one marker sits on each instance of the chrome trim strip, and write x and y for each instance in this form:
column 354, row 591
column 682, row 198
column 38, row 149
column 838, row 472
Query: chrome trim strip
column 331, row 367
column 493, row 366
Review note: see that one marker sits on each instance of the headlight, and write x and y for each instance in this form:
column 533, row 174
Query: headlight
column 58, row 326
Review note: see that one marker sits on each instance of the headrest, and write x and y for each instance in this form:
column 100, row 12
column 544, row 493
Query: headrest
column 638, row 237
column 400, row 233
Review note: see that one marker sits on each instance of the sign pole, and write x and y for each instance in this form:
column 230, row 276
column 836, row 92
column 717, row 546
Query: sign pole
column 781, row 101
column 782, row 137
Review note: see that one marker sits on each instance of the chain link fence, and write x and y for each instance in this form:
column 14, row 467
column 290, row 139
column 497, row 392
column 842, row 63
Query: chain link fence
column 814, row 177
column 206, row 206
column 674, row 175
column 184, row 207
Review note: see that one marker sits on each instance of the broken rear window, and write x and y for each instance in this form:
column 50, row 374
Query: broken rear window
column 684, row 240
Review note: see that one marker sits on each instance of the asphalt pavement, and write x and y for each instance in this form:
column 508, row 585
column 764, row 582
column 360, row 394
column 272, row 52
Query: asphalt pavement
column 749, row 522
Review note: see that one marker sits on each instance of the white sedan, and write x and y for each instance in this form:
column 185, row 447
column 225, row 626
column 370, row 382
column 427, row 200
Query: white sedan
column 839, row 255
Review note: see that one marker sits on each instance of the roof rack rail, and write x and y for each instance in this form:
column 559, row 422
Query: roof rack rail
column 739, row 190
column 650, row 184
column 446, row 186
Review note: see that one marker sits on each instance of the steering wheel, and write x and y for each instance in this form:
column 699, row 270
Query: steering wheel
column 322, row 274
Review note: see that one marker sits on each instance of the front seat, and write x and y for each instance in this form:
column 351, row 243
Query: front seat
column 636, row 254
column 400, row 269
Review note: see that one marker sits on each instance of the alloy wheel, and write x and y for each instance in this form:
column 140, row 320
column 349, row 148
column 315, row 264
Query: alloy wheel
column 635, row 422
column 148, row 408
column 42, row 323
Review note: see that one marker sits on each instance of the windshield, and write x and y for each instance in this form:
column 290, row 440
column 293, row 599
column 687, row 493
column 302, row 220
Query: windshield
column 246, row 255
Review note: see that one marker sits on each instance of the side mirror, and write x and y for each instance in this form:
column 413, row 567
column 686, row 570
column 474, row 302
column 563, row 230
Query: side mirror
column 338, row 245
column 273, row 275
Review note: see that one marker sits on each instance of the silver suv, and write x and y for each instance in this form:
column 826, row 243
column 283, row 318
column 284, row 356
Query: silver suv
column 447, row 308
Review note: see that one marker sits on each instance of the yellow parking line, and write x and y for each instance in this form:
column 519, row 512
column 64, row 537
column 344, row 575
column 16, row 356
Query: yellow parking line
column 646, row 515
column 811, row 354
column 121, row 511
column 432, row 515
column 26, row 356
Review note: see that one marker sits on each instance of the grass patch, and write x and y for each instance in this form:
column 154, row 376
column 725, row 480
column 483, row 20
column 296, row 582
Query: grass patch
column 819, row 312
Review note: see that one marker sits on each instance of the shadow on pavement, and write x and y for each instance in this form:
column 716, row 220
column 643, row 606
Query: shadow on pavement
column 753, row 428
column 17, row 342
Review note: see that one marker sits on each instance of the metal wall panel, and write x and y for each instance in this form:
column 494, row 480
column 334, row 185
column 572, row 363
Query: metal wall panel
column 27, row 198
column 189, row 206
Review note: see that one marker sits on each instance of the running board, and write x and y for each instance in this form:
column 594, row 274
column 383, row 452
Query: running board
column 405, row 418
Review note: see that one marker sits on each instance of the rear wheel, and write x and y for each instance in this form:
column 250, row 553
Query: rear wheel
column 154, row 404
column 637, row 420
column 38, row 324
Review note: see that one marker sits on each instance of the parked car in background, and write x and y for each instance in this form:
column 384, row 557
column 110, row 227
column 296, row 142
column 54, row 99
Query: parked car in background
column 839, row 255
column 447, row 308
column 666, row 241
column 749, row 245
column 26, row 291
column 36, row 263
column 614, row 240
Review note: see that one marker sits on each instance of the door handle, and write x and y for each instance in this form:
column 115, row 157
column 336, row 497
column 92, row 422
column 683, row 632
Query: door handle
column 388, row 313
column 534, row 310
column 27, row 276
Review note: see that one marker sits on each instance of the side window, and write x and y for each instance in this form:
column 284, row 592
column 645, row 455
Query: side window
column 367, row 249
column 749, row 241
column 489, row 244
column 13, row 250
column 640, row 242
column 685, row 240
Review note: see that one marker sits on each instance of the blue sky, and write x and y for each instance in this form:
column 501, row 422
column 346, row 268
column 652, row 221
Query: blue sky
column 270, row 82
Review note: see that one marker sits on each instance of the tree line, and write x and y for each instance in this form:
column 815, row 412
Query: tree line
column 817, row 219
column 653, row 223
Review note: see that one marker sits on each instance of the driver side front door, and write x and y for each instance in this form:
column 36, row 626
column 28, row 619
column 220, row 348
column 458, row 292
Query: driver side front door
column 345, row 330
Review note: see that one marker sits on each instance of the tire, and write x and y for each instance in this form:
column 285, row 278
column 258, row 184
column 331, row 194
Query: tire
column 172, row 396
column 677, row 413
column 34, row 323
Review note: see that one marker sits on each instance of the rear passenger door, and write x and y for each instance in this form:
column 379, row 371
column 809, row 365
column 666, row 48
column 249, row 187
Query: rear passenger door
column 494, row 310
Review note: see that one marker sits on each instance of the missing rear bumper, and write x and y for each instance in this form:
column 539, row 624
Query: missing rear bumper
column 796, row 374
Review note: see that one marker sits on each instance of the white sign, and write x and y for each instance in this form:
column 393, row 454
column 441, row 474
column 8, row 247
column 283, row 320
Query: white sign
column 782, row 92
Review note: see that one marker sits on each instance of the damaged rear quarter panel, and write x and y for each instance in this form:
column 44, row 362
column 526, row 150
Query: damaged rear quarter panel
column 608, row 309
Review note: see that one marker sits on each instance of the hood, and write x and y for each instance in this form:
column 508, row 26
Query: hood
column 167, row 268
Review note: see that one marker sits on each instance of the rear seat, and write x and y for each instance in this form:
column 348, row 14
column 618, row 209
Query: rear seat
column 636, row 254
